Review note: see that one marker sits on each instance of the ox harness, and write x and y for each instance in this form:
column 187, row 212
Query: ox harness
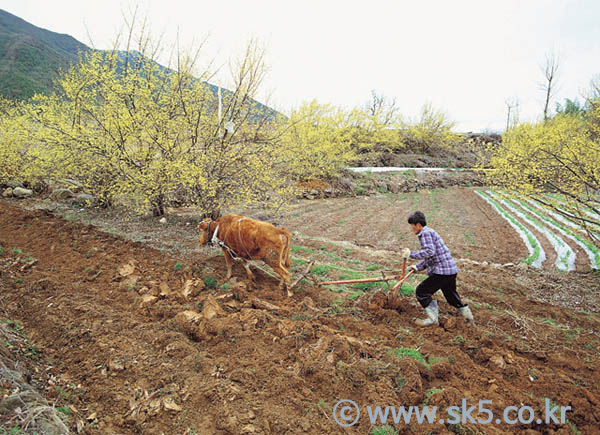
column 215, row 241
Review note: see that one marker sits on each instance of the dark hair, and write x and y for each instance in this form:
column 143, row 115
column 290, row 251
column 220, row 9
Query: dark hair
column 417, row 218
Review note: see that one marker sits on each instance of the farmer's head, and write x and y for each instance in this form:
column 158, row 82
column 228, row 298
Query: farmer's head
column 417, row 221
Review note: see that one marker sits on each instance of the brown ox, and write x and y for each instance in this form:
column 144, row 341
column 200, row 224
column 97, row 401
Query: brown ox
column 248, row 239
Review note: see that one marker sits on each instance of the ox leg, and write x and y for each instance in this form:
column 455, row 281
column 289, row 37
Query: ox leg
column 276, row 260
column 285, row 279
column 251, row 276
column 228, row 263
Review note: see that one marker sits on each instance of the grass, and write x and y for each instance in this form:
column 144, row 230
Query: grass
column 359, row 190
column 334, row 257
column 384, row 430
column 320, row 404
column 321, row 270
column 572, row 334
column 324, row 404
column 210, row 282
column 13, row 325
column 430, row 393
column 354, row 296
column 366, row 285
column 557, row 414
column 399, row 381
column 178, row 266
column 336, row 306
column 436, row 359
column 346, row 274
column 96, row 275
column 32, row 352
column 407, row 290
column 406, row 352
column 469, row 239
column 64, row 410
column 15, row 430
column 297, row 248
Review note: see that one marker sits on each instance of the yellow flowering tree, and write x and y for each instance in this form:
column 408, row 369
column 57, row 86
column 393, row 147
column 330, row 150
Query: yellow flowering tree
column 143, row 136
column 12, row 141
column 432, row 130
column 556, row 162
column 316, row 142
column 376, row 126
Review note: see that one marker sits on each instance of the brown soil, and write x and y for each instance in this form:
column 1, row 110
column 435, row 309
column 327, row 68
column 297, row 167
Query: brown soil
column 465, row 221
column 135, row 342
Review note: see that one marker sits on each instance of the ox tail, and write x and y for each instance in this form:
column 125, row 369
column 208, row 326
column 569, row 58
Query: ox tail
column 287, row 246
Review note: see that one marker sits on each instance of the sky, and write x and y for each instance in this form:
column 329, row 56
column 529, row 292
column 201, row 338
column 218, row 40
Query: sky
column 465, row 58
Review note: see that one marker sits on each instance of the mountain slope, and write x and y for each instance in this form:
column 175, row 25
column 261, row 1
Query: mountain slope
column 31, row 57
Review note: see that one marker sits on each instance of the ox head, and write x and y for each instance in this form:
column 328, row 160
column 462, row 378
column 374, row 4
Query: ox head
column 204, row 228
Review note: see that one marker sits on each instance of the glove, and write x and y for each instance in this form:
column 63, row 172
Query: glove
column 413, row 267
column 405, row 253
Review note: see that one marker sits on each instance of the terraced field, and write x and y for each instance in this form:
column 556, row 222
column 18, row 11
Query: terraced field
column 127, row 326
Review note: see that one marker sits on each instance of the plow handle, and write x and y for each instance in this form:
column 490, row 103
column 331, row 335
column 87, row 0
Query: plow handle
column 399, row 283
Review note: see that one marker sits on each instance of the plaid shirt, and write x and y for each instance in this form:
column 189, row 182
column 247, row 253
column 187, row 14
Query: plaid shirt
column 434, row 253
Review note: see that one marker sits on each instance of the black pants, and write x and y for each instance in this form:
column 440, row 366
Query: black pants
column 433, row 283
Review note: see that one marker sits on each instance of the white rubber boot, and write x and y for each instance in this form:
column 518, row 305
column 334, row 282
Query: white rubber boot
column 432, row 315
column 467, row 314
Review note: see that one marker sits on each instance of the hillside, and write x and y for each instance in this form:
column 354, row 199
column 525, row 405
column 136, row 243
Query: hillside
column 31, row 59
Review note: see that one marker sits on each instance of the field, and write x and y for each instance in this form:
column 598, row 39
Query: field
column 128, row 326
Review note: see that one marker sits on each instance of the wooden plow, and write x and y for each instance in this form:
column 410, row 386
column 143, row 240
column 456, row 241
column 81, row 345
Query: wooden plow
column 401, row 279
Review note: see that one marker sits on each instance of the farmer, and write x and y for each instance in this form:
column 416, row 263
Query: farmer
column 441, row 271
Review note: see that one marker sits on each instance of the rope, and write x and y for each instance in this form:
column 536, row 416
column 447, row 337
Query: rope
column 216, row 241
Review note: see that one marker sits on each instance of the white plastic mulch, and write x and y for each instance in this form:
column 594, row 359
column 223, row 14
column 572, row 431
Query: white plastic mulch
column 565, row 257
column 589, row 213
column 593, row 257
column 521, row 230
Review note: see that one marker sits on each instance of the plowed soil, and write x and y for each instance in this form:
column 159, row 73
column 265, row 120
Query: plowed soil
column 134, row 339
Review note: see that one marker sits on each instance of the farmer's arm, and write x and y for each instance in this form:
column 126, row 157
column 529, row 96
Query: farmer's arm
column 427, row 250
